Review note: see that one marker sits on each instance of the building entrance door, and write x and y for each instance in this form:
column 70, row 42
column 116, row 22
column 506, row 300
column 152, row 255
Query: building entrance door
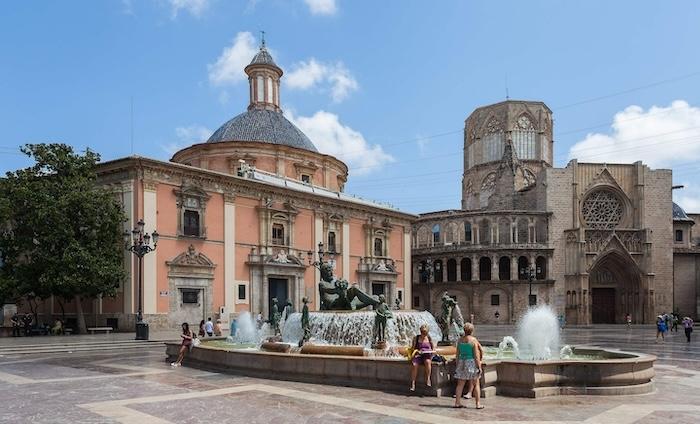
column 378, row 288
column 603, row 307
column 278, row 289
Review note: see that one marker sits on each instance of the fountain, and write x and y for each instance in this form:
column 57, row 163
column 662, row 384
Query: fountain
column 342, row 345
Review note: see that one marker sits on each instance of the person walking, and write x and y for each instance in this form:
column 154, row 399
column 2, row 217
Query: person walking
column 217, row 328
column 209, row 327
column 469, row 367
column 187, row 338
column 688, row 327
column 423, row 350
column 661, row 328
column 674, row 322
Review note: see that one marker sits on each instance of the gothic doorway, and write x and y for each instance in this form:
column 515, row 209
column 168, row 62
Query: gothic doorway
column 615, row 287
column 603, row 311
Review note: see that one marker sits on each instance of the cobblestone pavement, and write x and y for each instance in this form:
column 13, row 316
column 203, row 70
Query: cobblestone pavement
column 136, row 385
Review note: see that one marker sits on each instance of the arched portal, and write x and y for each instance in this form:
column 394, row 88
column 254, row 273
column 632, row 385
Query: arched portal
column 615, row 287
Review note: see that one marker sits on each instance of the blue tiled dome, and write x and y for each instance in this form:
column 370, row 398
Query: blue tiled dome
column 679, row 214
column 265, row 126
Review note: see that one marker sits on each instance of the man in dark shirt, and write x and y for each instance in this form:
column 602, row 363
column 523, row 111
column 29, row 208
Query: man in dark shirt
column 27, row 320
column 15, row 325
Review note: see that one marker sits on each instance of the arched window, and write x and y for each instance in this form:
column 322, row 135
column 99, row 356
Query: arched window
column 523, row 231
column 541, row 264
column 260, row 88
column 524, row 136
column 523, row 265
column 331, row 241
column 467, row 232
column 485, row 232
column 378, row 247
column 504, row 268
column 485, row 269
column 568, row 298
column 492, row 146
column 541, row 231
column 504, row 231
column 278, row 234
column 437, row 269
column 451, row 270
column 465, row 270
column 423, row 272
column 268, row 92
column 436, row 233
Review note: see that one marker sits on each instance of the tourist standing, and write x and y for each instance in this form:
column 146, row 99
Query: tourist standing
column 185, row 345
column 201, row 329
column 217, row 328
column 674, row 322
column 16, row 326
column 27, row 321
column 233, row 328
column 424, row 348
column 661, row 328
column 469, row 366
column 209, row 327
column 688, row 327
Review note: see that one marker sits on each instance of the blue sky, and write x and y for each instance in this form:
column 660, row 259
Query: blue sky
column 386, row 86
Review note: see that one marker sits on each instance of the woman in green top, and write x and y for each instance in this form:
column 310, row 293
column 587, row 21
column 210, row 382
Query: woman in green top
column 468, row 366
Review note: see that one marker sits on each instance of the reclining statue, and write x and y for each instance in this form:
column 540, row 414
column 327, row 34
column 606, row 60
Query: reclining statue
column 337, row 294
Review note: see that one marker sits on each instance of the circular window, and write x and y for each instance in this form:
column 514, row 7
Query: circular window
column 602, row 209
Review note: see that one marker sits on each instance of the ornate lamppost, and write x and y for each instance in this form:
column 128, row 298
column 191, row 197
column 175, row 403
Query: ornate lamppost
column 530, row 273
column 139, row 243
column 321, row 254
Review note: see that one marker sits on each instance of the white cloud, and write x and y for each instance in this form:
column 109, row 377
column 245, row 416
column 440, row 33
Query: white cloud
column 228, row 68
column 661, row 137
column 194, row 7
column 322, row 7
column 312, row 73
column 333, row 138
column 186, row 137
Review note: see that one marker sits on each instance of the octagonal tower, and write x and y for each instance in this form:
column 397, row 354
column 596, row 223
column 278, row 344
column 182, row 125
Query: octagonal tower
column 513, row 135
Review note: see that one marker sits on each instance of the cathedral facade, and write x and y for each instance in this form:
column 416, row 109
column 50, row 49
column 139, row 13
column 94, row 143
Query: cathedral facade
column 594, row 240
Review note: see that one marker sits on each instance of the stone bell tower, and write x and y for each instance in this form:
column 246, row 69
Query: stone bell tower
column 513, row 131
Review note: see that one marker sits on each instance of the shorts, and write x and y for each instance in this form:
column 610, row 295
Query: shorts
column 467, row 370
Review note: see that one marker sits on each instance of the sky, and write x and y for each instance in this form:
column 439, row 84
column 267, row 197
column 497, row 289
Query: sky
column 384, row 86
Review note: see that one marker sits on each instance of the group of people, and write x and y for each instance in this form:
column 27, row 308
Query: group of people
column 22, row 324
column 469, row 363
column 669, row 322
column 208, row 328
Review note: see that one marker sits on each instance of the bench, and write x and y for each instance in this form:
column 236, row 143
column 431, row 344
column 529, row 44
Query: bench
column 105, row 329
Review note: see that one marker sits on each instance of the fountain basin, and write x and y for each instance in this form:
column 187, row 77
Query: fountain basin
column 314, row 349
column 620, row 373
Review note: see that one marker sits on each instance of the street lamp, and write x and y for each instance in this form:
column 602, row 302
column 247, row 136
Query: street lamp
column 530, row 273
column 139, row 243
column 321, row 254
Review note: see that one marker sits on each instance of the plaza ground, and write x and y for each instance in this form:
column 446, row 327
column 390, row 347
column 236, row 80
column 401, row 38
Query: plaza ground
column 111, row 378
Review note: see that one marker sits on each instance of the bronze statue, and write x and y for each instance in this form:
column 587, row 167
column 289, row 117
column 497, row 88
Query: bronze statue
column 305, row 325
column 275, row 317
column 383, row 313
column 446, row 317
column 336, row 294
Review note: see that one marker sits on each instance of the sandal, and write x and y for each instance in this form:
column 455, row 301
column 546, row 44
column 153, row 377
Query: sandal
column 479, row 407
column 458, row 406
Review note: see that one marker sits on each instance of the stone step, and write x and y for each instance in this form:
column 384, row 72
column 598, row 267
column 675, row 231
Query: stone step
column 60, row 349
column 77, row 343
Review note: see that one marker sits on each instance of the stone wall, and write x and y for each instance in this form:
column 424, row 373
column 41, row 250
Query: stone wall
column 686, row 274
column 657, row 216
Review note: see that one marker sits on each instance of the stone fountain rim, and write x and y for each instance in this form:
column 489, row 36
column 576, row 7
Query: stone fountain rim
column 635, row 357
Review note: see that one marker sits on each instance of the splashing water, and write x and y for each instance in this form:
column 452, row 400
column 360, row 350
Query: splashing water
column 508, row 342
column 538, row 333
column 357, row 328
column 246, row 330
column 566, row 352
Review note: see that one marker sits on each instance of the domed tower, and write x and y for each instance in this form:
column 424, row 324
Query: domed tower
column 262, row 137
column 506, row 145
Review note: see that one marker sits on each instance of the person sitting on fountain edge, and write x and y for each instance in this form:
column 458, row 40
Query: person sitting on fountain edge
column 424, row 348
column 469, row 366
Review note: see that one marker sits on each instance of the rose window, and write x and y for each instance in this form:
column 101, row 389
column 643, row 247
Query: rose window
column 602, row 210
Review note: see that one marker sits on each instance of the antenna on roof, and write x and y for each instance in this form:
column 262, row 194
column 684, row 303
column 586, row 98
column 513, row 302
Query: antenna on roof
column 262, row 37
column 507, row 96
column 131, row 123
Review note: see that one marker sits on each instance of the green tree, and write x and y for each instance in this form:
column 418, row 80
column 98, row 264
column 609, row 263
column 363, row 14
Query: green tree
column 63, row 231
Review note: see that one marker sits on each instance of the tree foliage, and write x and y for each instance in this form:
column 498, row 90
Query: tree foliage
column 62, row 232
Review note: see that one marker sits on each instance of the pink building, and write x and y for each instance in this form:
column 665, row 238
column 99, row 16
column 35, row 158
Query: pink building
column 237, row 216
